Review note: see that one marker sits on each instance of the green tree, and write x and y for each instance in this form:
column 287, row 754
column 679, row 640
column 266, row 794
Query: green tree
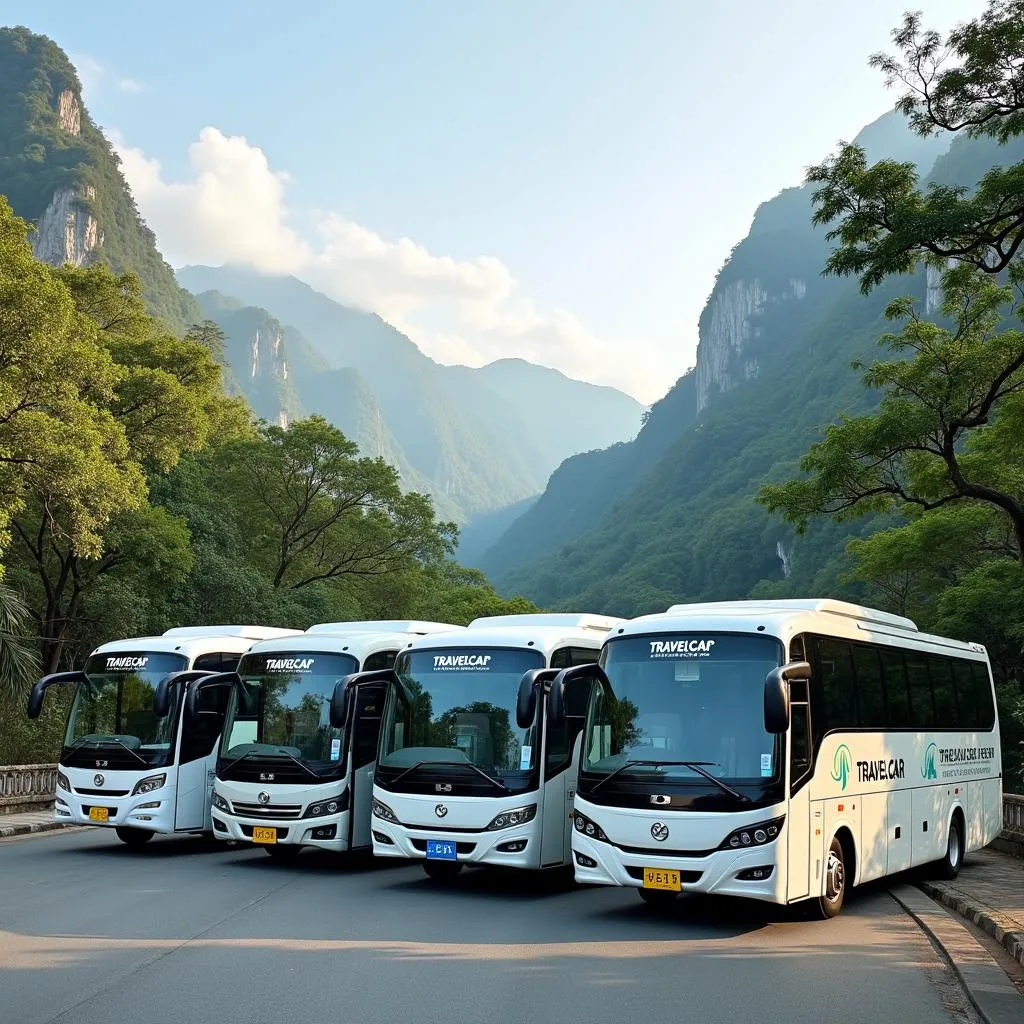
column 315, row 512
column 973, row 82
column 19, row 661
column 947, row 429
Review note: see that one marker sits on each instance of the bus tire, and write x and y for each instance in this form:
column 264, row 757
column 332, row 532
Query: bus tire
column 287, row 852
column 949, row 867
column 661, row 898
column 831, row 901
column 441, row 870
column 133, row 836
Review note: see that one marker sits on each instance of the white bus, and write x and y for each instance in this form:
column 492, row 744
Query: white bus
column 781, row 750
column 467, row 771
column 285, row 777
column 132, row 760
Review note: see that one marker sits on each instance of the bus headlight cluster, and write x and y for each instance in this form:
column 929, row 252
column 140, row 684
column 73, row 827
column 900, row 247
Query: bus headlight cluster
column 761, row 834
column 220, row 803
column 147, row 785
column 332, row 806
column 62, row 782
column 383, row 811
column 586, row 827
column 517, row 816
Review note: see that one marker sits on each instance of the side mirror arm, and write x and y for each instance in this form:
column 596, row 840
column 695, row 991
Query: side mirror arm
column 556, row 699
column 339, row 699
column 526, row 699
column 208, row 682
column 35, row 697
column 162, row 696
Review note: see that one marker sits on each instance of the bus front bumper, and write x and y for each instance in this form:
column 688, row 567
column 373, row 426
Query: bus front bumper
column 517, row 847
column 151, row 812
column 328, row 832
column 723, row 872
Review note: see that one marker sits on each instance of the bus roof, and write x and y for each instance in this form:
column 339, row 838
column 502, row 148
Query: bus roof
column 529, row 637
column 383, row 626
column 785, row 619
column 358, row 643
column 603, row 623
column 189, row 646
column 248, row 632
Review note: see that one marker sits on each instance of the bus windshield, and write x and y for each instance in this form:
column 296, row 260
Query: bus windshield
column 463, row 710
column 684, row 697
column 281, row 710
column 112, row 714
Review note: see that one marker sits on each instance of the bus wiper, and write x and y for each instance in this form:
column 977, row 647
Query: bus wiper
column 269, row 757
column 108, row 741
column 697, row 766
column 453, row 764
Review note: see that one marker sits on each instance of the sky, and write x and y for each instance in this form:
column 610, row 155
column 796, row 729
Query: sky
column 558, row 180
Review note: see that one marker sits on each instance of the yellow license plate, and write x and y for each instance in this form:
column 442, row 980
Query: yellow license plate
column 657, row 878
column 264, row 835
column 99, row 814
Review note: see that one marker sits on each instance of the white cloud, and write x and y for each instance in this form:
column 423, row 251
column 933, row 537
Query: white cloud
column 131, row 85
column 94, row 76
column 232, row 208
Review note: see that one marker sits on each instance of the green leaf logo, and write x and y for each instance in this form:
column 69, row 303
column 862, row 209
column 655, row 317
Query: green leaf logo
column 841, row 765
column 928, row 768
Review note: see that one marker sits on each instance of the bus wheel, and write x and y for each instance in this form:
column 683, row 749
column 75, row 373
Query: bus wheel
column 657, row 897
column 288, row 852
column 133, row 836
column 949, row 866
column 831, row 902
column 441, row 870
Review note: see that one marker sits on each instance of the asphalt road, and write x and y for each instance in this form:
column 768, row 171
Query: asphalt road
column 184, row 933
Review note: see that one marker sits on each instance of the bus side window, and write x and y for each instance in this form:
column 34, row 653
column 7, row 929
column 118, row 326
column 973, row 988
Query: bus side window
column 839, row 687
column 382, row 659
column 920, row 687
column 369, row 706
column 941, row 672
column 220, row 661
column 560, row 740
column 896, row 695
column 983, row 693
column 199, row 734
column 966, row 701
column 800, row 745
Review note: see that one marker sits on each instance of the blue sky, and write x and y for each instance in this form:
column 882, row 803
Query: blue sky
column 555, row 179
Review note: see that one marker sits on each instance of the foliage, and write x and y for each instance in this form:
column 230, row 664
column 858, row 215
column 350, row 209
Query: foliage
column 19, row 662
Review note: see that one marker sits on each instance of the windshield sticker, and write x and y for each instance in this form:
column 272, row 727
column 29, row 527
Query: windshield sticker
column 335, row 749
column 525, row 757
column 687, row 672
column 462, row 662
column 127, row 664
column 289, row 664
column 681, row 648
column 766, row 766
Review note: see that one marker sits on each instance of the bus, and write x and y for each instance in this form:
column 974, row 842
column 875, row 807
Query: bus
column 780, row 750
column 285, row 777
column 132, row 760
column 467, row 772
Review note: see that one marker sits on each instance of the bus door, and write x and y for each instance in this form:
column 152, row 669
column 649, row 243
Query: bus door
column 197, row 747
column 364, row 733
column 798, row 818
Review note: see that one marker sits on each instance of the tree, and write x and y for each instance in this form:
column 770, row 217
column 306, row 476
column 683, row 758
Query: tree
column 947, row 429
column 19, row 663
column 972, row 83
column 316, row 512
column 210, row 336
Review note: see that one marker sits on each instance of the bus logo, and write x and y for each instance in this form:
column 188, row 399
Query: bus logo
column 264, row 797
column 841, row 765
column 928, row 768
column 440, row 810
column 659, row 831
column 98, row 780
column 442, row 787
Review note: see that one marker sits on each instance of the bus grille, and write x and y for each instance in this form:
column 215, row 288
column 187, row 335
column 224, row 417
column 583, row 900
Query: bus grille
column 101, row 792
column 279, row 811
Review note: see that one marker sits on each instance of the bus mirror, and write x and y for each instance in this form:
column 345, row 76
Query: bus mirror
column 776, row 694
column 339, row 699
column 208, row 680
column 556, row 700
column 35, row 698
column 162, row 695
column 526, row 701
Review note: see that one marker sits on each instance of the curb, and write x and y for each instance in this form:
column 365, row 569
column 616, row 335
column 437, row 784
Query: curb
column 9, row 831
column 1001, row 927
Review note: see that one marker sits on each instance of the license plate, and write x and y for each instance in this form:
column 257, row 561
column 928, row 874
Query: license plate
column 658, row 878
column 441, row 849
column 264, row 835
column 99, row 814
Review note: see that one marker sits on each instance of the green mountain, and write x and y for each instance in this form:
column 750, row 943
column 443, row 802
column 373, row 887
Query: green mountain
column 482, row 439
column 60, row 174
column 671, row 516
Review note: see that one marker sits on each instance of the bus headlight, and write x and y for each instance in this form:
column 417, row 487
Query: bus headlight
column 761, row 834
column 220, row 803
column 586, row 827
column 62, row 782
column 517, row 816
column 383, row 811
column 149, row 784
column 330, row 806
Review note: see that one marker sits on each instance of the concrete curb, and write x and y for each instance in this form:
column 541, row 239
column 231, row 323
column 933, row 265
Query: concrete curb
column 8, row 831
column 1001, row 927
column 988, row 989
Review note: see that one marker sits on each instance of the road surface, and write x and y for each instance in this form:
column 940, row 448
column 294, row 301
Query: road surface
column 182, row 932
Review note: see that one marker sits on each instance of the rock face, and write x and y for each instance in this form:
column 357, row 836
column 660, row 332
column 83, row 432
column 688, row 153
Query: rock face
column 69, row 112
column 67, row 232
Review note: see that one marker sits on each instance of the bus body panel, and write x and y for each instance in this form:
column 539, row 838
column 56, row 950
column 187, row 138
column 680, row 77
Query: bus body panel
column 195, row 785
column 798, row 845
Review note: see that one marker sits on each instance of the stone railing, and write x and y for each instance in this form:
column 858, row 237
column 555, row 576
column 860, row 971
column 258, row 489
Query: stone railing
column 26, row 787
column 1013, row 812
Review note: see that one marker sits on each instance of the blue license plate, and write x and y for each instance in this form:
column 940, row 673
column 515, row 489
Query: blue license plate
column 440, row 849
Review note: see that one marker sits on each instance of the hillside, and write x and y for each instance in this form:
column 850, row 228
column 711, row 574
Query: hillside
column 451, row 425
column 61, row 175
column 633, row 528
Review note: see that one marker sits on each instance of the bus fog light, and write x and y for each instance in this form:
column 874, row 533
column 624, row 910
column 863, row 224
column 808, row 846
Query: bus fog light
column 756, row 874
column 147, row 785
column 516, row 816
column 384, row 840
column 584, row 825
column 584, row 861
column 516, row 846
column 753, row 835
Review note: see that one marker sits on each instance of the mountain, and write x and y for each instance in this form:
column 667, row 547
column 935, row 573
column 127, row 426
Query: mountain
column 61, row 175
column 483, row 439
column 671, row 515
